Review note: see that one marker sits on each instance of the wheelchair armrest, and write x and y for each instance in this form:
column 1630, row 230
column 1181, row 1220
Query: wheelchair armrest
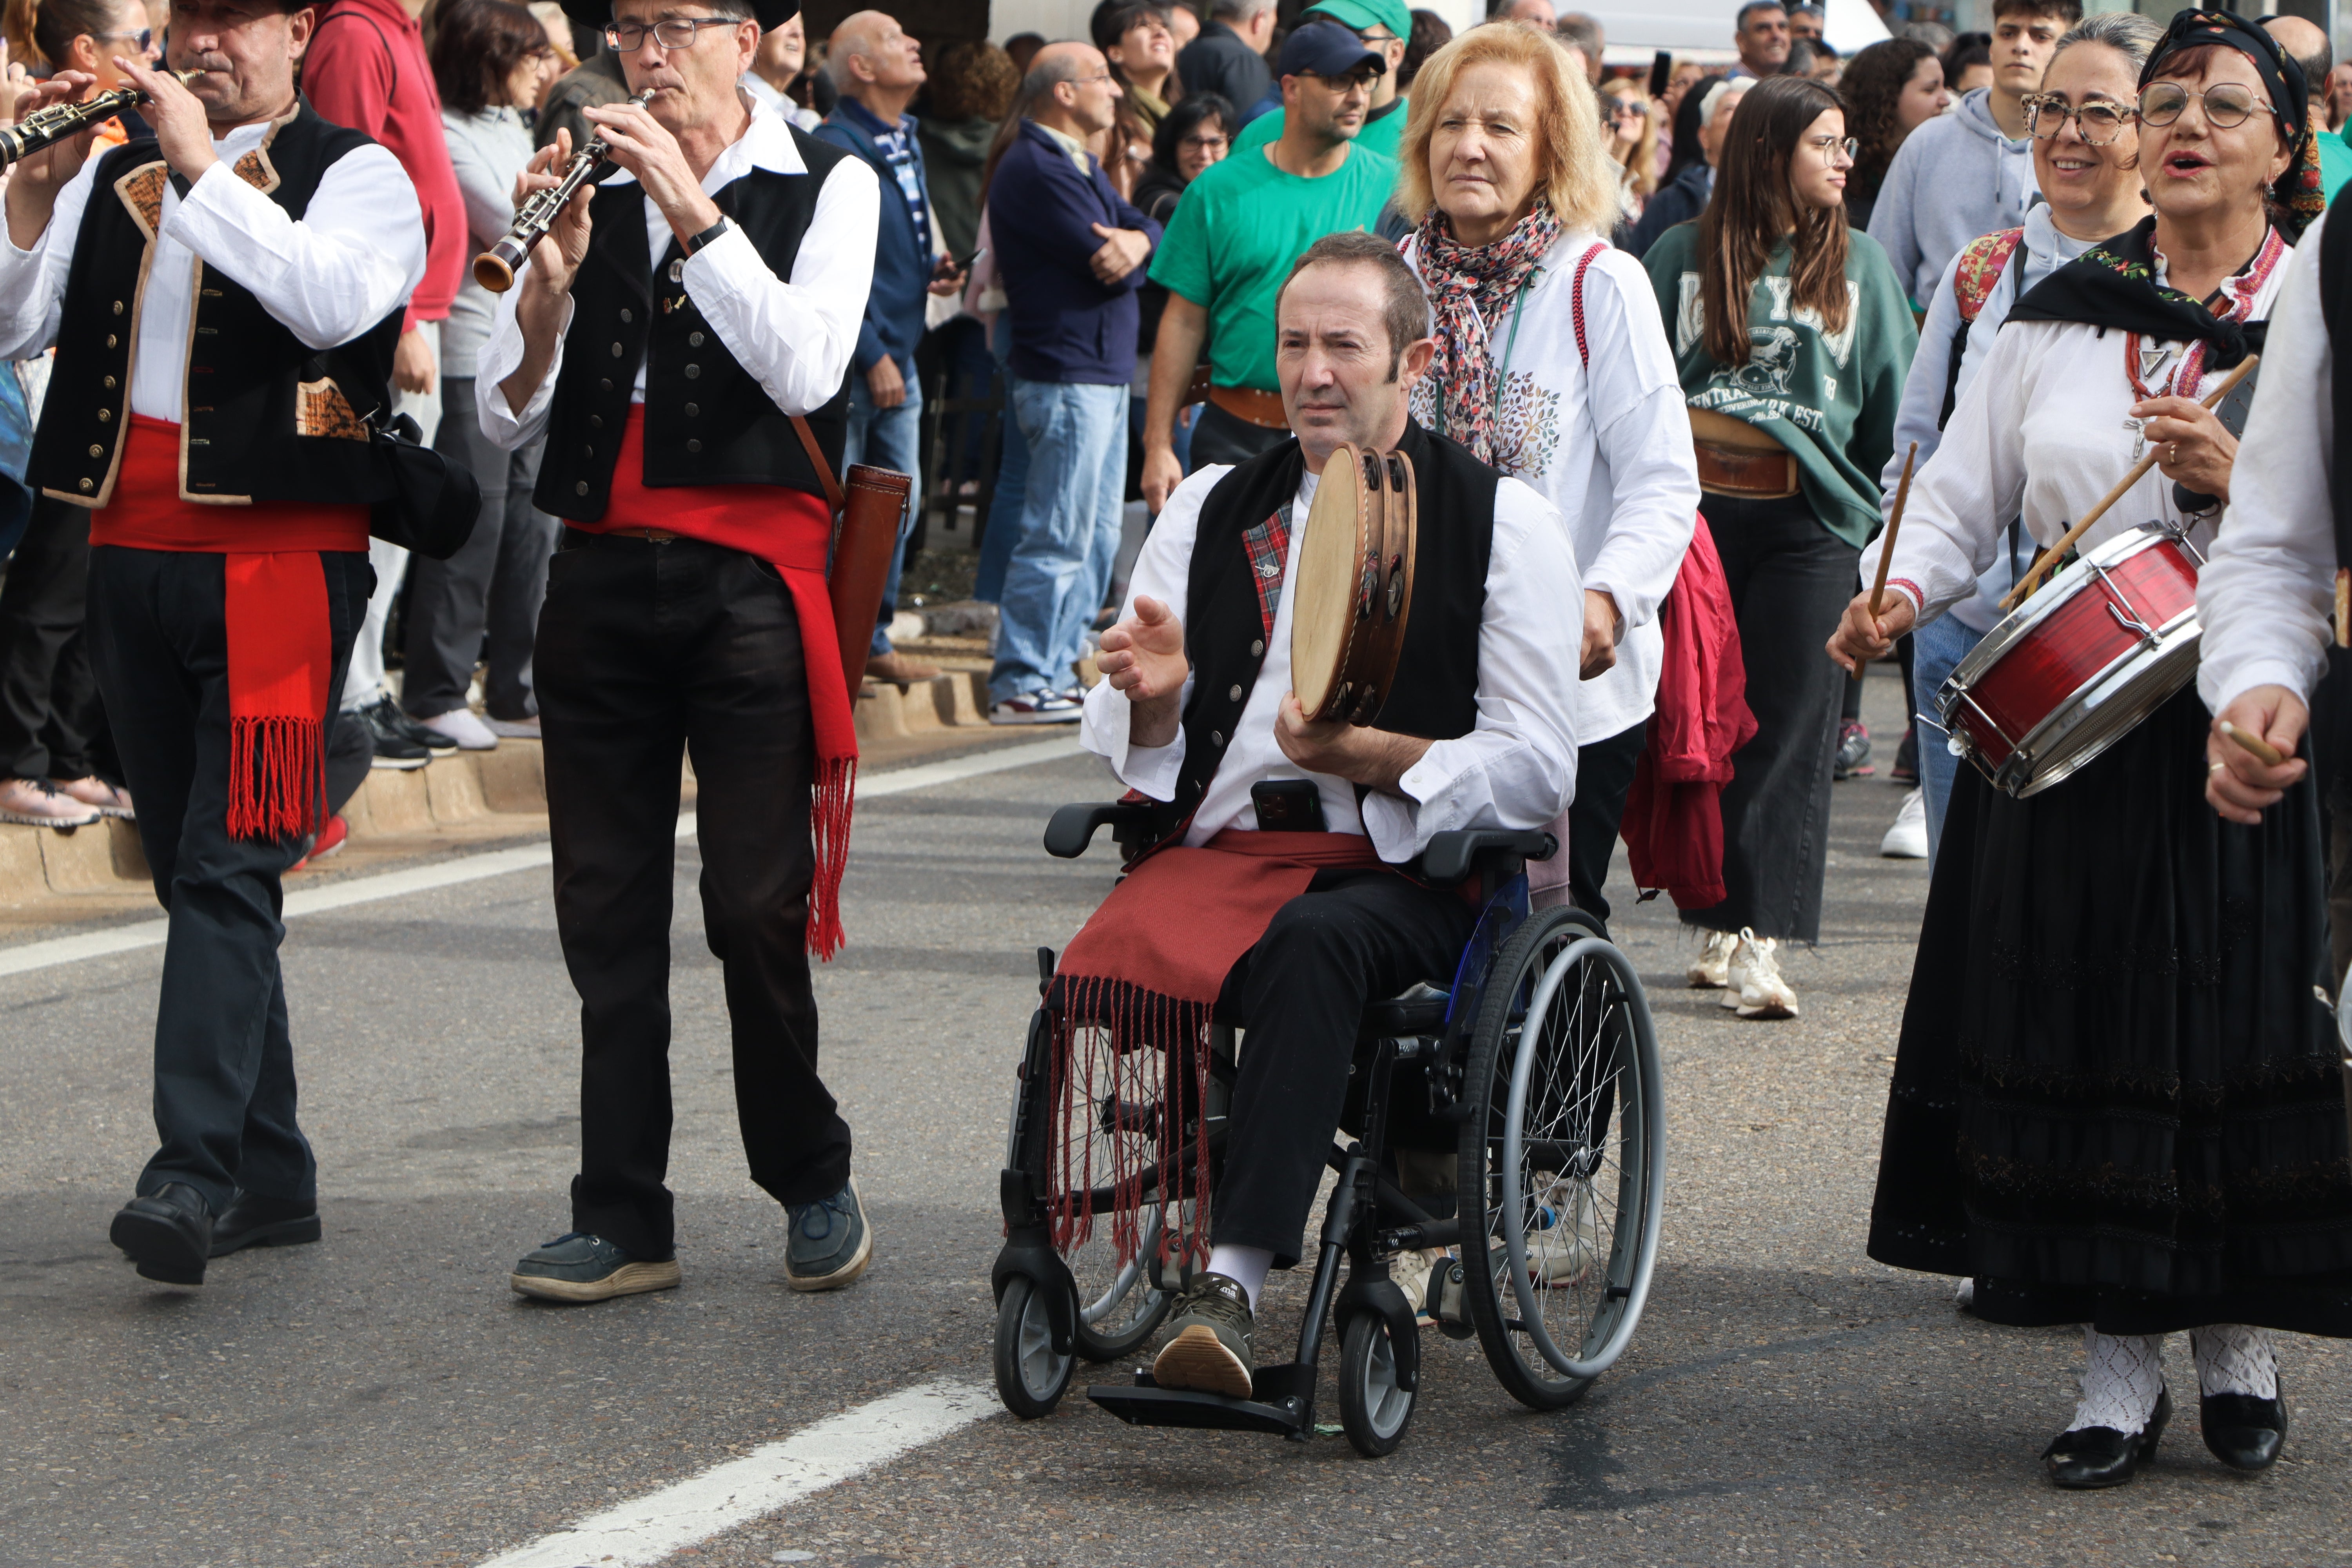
column 1072, row 828
column 1450, row 857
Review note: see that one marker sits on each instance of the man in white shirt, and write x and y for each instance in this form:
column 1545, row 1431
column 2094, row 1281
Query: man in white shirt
column 683, row 337
column 1277, row 898
column 224, row 295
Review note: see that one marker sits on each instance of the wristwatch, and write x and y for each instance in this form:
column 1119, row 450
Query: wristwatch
column 695, row 242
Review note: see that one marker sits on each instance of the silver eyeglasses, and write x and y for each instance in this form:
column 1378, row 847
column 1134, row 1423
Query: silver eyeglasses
column 2097, row 123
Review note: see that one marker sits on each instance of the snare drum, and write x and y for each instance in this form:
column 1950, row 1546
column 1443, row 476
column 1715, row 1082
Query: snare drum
column 1354, row 589
column 2072, row 671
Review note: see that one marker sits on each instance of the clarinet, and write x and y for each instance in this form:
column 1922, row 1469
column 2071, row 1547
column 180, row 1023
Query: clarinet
column 58, row 120
column 494, row 268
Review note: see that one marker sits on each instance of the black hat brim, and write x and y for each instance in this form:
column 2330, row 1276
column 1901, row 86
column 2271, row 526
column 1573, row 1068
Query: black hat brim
column 770, row 14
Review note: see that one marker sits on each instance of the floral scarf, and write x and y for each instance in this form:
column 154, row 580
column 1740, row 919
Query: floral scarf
column 1470, row 286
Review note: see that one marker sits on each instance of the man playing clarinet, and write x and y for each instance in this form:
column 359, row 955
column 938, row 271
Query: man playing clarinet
column 224, row 295
column 682, row 335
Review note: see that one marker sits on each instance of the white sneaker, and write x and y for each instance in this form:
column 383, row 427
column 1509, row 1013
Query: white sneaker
column 1040, row 707
column 463, row 726
column 513, row 729
column 1709, row 971
column 1907, row 839
column 1754, row 988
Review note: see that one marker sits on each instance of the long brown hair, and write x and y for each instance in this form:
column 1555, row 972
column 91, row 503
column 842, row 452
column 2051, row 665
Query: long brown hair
column 1755, row 207
column 1873, row 84
column 42, row 34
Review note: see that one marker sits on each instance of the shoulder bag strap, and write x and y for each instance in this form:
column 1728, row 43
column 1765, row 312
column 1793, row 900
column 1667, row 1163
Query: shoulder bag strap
column 833, row 497
column 1576, row 303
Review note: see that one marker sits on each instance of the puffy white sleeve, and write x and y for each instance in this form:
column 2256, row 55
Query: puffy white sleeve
column 1161, row 570
column 33, row 282
column 1643, row 422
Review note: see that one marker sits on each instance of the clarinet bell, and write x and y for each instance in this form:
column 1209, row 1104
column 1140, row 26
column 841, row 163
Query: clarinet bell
column 494, row 270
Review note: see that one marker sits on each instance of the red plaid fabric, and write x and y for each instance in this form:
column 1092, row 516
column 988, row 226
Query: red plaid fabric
column 1268, row 547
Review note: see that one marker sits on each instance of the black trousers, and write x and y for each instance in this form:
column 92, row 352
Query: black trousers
column 1790, row 579
column 1604, row 777
column 52, row 724
column 1351, row 938
column 648, row 652
column 224, row 1061
column 493, row 586
column 1218, row 437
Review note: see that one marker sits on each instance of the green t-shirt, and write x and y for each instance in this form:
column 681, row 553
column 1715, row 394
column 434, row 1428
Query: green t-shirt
column 1236, row 232
column 1382, row 131
column 2335, row 163
column 1829, row 398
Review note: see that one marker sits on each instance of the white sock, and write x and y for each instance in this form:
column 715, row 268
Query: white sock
column 2232, row 1358
column 2122, row 1382
column 1245, row 1266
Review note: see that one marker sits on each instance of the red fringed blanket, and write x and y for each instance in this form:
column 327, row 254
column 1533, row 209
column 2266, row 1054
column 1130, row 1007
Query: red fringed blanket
column 1133, row 993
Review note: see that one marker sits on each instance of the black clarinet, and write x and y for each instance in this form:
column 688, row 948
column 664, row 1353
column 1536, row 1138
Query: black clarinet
column 494, row 268
column 44, row 127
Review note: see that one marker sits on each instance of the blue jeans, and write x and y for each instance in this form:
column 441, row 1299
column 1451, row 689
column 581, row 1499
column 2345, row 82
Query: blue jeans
column 888, row 438
column 1936, row 649
column 1005, row 506
column 1069, row 533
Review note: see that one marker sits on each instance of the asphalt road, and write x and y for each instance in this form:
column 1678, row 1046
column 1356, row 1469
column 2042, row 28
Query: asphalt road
column 382, row 1399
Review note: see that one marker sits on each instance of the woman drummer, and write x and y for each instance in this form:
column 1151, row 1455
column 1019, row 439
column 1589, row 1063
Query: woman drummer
column 2115, row 1101
column 1505, row 158
column 1791, row 337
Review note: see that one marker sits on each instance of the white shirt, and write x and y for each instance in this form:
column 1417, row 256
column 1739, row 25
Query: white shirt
column 796, row 337
column 2270, row 579
column 781, row 103
column 352, row 259
column 1611, row 450
column 2041, row 433
column 1516, row 769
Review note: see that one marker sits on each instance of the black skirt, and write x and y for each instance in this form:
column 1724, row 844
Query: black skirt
column 2118, row 1097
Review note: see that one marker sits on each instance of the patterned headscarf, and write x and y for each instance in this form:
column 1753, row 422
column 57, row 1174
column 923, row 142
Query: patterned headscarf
column 2298, row 191
column 1471, row 287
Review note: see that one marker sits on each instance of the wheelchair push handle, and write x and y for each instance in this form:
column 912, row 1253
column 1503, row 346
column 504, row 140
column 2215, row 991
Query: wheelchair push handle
column 1450, row 857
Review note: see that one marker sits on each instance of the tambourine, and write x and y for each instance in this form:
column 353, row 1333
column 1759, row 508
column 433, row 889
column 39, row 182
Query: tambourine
column 1354, row 592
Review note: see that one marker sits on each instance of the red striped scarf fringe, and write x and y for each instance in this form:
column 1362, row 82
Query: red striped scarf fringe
column 1114, row 1040
column 277, row 776
column 832, row 804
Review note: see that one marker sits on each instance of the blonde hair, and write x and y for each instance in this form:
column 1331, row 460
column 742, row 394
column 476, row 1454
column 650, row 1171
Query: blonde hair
column 1640, row 162
column 1574, row 168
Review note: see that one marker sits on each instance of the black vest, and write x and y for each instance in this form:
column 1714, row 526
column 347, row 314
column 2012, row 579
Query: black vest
column 264, row 417
column 707, row 419
column 1436, row 692
column 2336, row 309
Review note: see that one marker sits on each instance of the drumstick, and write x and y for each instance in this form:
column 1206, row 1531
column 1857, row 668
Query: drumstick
column 2032, row 579
column 1894, row 526
column 2262, row 751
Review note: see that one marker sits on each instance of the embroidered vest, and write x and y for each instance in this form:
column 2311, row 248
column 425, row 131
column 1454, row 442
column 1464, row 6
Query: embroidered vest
column 708, row 420
column 263, row 415
column 1436, row 691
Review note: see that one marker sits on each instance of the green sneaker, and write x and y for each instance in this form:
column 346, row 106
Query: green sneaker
column 830, row 1244
column 580, row 1268
column 1209, row 1340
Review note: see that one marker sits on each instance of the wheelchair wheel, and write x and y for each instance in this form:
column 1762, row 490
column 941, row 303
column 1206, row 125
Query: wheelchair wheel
column 1118, row 1306
column 1373, row 1409
column 1030, row 1378
column 1565, row 1141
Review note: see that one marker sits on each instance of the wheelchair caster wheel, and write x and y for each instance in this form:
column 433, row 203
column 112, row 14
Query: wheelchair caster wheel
column 1030, row 1377
column 1373, row 1410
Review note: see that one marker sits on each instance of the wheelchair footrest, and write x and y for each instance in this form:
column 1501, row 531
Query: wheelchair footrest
column 1280, row 1404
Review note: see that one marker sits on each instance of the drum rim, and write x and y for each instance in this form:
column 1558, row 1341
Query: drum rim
column 1369, row 521
column 2185, row 631
column 2180, row 648
column 2007, row 631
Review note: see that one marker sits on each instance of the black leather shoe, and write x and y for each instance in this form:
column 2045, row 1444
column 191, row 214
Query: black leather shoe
column 168, row 1233
column 2244, row 1433
column 252, row 1220
column 2098, row 1457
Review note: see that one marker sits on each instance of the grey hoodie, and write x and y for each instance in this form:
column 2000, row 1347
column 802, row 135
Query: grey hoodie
column 1954, row 178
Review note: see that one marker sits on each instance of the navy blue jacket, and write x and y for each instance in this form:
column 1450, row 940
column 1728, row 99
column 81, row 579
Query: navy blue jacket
column 902, row 260
column 1068, row 326
column 1678, row 203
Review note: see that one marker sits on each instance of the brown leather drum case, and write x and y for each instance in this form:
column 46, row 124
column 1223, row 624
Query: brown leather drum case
column 1354, row 593
column 872, row 505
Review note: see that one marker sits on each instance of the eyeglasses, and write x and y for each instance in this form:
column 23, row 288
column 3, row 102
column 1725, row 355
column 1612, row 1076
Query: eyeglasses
column 2227, row 105
column 2097, row 123
column 1620, row 107
column 1832, row 148
column 676, row 33
column 1204, row 143
column 145, row 37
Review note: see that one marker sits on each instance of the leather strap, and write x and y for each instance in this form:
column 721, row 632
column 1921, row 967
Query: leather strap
column 833, row 497
column 1248, row 403
column 1743, row 471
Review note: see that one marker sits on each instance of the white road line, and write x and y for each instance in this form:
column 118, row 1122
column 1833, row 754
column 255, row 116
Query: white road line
column 368, row 889
column 769, row 1477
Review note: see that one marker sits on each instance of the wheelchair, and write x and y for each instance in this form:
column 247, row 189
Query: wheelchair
column 1533, row 1081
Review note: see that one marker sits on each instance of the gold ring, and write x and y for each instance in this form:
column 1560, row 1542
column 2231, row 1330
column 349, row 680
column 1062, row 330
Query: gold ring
column 2216, row 767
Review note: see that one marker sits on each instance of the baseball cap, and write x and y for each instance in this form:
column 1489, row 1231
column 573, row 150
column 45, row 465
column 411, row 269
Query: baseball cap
column 1358, row 15
column 1327, row 49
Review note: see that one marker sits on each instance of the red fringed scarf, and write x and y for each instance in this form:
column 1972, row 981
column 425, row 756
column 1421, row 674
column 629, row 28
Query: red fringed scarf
column 1133, row 993
column 281, row 647
column 792, row 532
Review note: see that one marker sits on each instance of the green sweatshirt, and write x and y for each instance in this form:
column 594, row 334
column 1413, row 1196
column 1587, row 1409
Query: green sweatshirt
column 1829, row 398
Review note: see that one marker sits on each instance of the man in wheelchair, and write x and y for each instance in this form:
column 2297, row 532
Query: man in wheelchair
column 1281, row 892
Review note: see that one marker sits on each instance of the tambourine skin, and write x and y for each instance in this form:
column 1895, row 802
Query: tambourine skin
column 1354, row 597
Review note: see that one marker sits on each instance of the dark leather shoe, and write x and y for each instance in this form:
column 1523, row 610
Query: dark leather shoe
column 2098, row 1457
column 168, row 1233
column 2244, row 1433
column 252, row 1220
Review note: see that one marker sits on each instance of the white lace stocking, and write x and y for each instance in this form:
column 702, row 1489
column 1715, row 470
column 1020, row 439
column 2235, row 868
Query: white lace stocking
column 2122, row 1382
column 2232, row 1358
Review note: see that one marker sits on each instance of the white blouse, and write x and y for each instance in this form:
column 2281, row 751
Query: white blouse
column 2043, row 431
